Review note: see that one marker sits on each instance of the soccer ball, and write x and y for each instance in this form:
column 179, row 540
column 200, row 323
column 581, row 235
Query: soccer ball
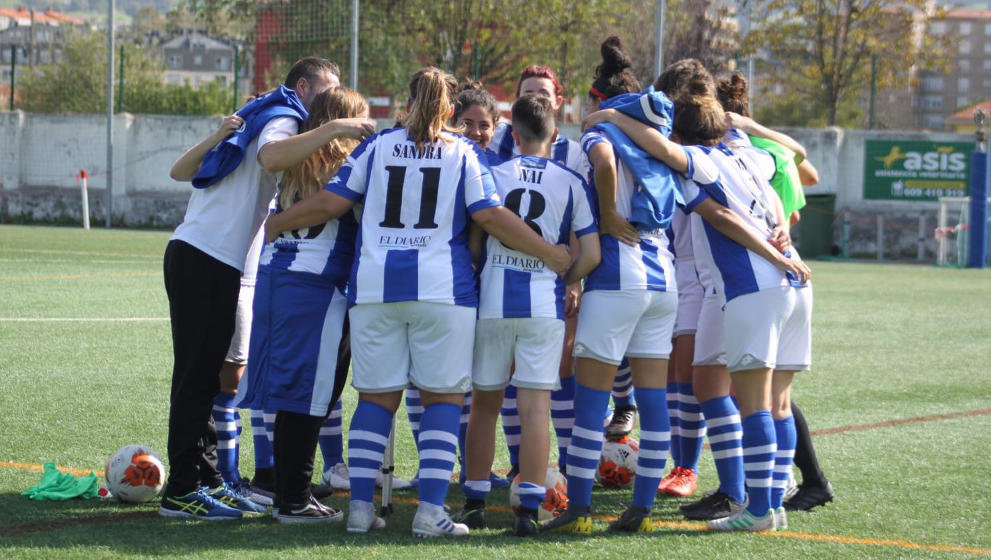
column 618, row 465
column 134, row 474
column 556, row 499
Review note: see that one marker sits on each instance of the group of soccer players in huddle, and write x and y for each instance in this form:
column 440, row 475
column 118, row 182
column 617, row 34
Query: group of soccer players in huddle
column 484, row 267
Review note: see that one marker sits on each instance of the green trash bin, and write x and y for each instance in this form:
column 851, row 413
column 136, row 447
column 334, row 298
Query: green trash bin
column 813, row 234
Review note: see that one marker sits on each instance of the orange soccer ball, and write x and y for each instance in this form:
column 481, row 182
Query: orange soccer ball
column 618, row 465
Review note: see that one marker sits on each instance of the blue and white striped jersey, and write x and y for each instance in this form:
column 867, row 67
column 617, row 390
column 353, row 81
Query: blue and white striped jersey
column 554, row 201
column 326, row 249
column 738, row 179
column 413, row 233
column 565, row 151
column 647, row 266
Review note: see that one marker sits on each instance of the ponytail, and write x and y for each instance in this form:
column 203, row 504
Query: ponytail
column 733, row 93
column 431, row 93
column 699, row 119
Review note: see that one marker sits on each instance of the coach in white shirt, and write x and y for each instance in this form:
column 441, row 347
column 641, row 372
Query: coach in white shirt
column 203, row 264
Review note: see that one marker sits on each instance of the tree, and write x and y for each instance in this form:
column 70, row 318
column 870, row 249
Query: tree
column 78, row 84
column 819, row 51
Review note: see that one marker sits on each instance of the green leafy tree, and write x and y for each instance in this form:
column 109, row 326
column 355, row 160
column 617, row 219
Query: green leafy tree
column 819, row 52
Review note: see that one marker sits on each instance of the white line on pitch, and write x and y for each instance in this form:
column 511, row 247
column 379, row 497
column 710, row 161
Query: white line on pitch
column 79, row 319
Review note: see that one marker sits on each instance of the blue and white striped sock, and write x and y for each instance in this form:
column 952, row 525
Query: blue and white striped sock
column 531, row 495
column 414, row 410
column 674, row 415
column 622, row 386
column 691, row 430
column 511, row 424
column 787, row 436
column 563, row 416
column 586, row 444
column 759, row 449
column 261, row 435
column 655, row 441
column 224, row 418
column 367, row 438
column 477, row 489
column 463, row 431
column 722, row 420
column 332, row 438
column 438, row 445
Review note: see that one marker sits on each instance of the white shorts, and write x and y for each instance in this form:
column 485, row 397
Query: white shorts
column 770, row 327
column 690, row 294
column 634, row 323
column 426, row 343
column 710, row 344
column 534, row 344
column 238, row 351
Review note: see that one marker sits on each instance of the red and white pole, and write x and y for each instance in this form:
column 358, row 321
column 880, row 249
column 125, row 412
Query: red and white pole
column 85, row 194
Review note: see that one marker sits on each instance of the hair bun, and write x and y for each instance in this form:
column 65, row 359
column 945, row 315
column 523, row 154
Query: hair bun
column 614, row 59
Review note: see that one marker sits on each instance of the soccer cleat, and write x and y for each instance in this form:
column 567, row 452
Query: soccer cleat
column 716, row 506
column 337, row 477
column 743, row 520
column 231, row 498
column 525, row 524
column 622, row 422
column 432, row 521
column 634, row 520
column 780, row 519
column 573, row 520
column 792, row 488
column 684, row 484
column 667, row 479
column 809, row 497
column 312, row 512
column 362, row 518
column 197, row 505
column 472, row 515
column 705, row 499
column 256, row 495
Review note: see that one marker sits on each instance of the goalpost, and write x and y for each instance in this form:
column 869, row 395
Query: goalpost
column 951, row 240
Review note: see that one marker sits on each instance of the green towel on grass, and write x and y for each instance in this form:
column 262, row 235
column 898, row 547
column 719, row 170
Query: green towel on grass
column 57, row 485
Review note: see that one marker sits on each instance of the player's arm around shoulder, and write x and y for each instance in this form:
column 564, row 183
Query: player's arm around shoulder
column 188, row 164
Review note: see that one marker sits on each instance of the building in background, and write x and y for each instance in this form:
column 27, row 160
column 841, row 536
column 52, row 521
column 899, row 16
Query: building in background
column 194, row 59
column 939, row 96
column 32, row 37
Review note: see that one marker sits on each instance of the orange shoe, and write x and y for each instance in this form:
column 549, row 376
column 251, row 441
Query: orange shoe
column 684, row 485
column 667, row 480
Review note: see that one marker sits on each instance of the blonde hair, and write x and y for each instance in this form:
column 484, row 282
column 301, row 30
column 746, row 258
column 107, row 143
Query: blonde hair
column 431, row 94
column 309, row 175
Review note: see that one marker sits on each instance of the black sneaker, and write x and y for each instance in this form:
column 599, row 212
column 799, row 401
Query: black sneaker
column 313, row 512
column 716, row 506
column 525, row 524
column 634, row 520
column 473, row 514
column 707, row 497
column 577, row 520
column 623, row 420
column 320, row 491
column 809, row 497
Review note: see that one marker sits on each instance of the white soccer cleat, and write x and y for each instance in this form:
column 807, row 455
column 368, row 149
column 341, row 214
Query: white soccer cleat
column 792, row 488
column 362, row 518
column 743, row 520
column 780, row 519
column 337, row 477
column 432, row 521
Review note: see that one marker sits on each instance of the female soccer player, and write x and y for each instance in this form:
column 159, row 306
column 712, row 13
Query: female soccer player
column 412, row 287
column 793, row 172
column 628, row 310
column 768, row 301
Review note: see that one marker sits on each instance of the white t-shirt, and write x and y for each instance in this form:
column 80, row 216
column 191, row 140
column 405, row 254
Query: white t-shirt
column 551, row 199
column 222, row 220
column 738, row 179
column 413, row 232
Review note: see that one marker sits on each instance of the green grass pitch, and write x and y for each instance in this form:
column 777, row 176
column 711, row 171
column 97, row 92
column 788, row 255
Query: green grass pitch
column 890, row 342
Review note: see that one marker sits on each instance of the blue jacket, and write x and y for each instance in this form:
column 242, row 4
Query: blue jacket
column 657, row 191
column 226, row 156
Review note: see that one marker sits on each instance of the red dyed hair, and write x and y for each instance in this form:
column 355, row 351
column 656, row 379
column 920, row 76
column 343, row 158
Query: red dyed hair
column 540, row 71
